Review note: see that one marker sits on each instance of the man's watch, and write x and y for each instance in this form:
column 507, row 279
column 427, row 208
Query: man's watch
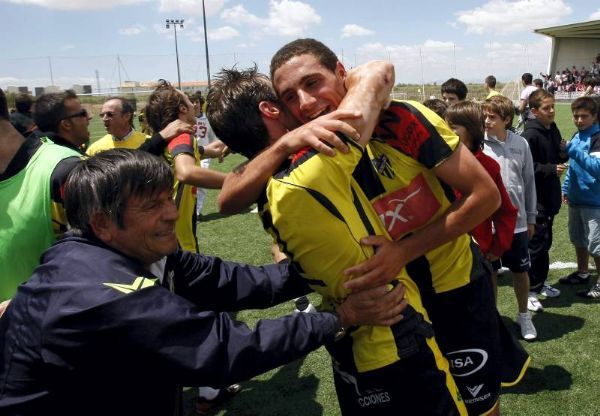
column 341, row 331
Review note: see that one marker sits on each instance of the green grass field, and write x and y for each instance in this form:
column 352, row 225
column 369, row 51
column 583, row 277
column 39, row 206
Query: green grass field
column 560, row 381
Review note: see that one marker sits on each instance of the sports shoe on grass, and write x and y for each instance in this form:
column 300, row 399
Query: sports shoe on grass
column 533, row 303
column 203, row 406
column 575, row 278
column 593, row 293
column 549, row 291
column 528, row 331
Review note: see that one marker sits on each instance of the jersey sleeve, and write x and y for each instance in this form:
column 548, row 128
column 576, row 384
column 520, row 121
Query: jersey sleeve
column 182, row 144
column 418, row 132
column 57, row 182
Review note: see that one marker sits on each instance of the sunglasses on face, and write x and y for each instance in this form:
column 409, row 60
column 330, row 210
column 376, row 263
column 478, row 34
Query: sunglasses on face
column 109, row 114
column 81, row 113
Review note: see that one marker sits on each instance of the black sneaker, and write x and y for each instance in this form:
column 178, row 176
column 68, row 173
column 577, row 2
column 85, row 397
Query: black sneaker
column 593, row 293
column 575, row 278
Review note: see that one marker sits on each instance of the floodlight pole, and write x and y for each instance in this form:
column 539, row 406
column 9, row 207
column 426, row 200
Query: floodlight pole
column 174, row 23
column 206, row 44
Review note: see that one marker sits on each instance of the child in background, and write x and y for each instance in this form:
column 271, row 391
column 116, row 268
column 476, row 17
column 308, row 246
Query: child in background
column 581, row 190
column 512, row 153
column 549, row 157
column 495, row 234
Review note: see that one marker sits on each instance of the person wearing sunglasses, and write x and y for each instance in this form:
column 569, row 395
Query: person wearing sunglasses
column 117, row 116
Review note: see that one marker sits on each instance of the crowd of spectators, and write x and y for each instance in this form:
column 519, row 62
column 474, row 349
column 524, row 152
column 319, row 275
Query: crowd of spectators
column 574, row 79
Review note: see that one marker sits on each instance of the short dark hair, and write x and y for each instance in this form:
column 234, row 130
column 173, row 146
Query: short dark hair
column 233, row 111
column 585, row 103
column 23, row 103
column 50, row 110
column 106, row 181
column 437, row 106
column 324, row 55
column 490, row 80
column 197, row 97
column 536, row 98
column 538, row 83
column 455, row 86
column 499, row 104
column 469, row 115
column 527, row 78
column 126, row 107
column 4, row 115
column 163, row 106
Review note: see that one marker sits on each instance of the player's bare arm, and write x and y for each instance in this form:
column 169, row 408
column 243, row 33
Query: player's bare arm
column 186, row 171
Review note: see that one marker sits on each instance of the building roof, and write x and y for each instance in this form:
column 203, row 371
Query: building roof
column 585, row 30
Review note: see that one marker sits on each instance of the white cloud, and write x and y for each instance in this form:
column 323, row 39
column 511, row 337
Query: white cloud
column 67, row 47
column 191, row 7
column 440, row 45
column 223, row 33
column 78, row 4
column 595, row 15
column 238, row 15
column 286, row 17
column 504, row 16
column 355, row 30
column 136, row 29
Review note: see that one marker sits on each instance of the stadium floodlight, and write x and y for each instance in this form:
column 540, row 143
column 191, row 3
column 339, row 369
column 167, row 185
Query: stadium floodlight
column 173, row 23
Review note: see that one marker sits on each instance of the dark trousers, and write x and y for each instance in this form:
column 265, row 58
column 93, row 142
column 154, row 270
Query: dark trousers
column 539, row 247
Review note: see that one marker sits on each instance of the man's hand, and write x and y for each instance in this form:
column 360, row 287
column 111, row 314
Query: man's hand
column 174, row 129
column 530, row 231
column 560, row 168
column 321, row 132
column 380, row 269
column 214, row 150
column 374, row 307
column 3, row 306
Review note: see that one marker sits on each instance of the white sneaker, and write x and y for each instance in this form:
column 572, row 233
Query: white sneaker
column 533, row 303
column 550, row 291
column 528, row 331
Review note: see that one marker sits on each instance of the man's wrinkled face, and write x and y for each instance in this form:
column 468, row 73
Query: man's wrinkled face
column 307, row 88
column 148, row 232
column 115, row 121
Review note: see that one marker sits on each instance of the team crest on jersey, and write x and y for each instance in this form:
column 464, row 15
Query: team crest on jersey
column 383, row 166
column 408, row 208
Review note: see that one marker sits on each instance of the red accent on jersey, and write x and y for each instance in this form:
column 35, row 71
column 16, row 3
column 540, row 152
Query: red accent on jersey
column 401, row 129
column 183, row 139
column 408, row 208
column 300, row 153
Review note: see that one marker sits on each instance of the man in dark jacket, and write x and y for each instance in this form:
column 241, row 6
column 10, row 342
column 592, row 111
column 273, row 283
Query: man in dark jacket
column 549, row 157
column 95, row 330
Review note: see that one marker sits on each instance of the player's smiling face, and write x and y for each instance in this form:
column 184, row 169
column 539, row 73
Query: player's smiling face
column 307, row 88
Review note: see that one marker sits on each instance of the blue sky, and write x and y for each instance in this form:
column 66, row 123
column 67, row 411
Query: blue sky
column 427, row 40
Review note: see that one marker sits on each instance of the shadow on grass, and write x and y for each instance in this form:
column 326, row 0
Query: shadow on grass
column 269, row 397
column 549, row 325
column 550, row 378
column 218, row 216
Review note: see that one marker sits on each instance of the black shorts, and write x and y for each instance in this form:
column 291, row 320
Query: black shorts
column 414, row 386
column 516, row 258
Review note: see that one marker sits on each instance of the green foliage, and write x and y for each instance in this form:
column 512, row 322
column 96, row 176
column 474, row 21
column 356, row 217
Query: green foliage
column 561, row 378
